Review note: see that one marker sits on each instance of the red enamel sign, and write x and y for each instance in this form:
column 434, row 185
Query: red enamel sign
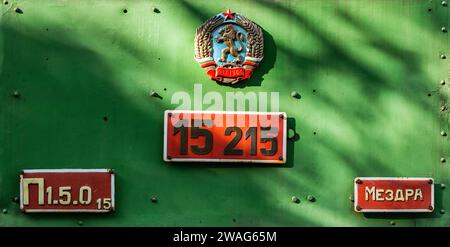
column 67, row 190
column 225, row 136
column 394, row 194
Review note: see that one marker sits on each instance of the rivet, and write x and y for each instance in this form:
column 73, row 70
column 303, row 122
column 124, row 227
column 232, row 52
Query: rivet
column 358, row 181
column 430, row 208
column 444, row 29
column 310, row 198
column 295, row 199
column 156, row 10
column 5, row 211
column 351, row 198
column 80, row 222
column 442, row 82
column 442, row 160
column 443, row 56
column 430, row 181
column 5, row 2
column 125, row 11
column 280, row 158
column 154, row 199
column 443, row 186
column 15, row 199
column 16, row 94
column 443, row 133
column 169, row 157
column 18, row 10
column 443, row 108
column 392, row 223
column 442, row 211
column 358, row 208
column 444, row 3
column 282, row 116
column 295, row 94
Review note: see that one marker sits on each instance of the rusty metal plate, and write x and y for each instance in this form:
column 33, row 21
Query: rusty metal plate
column 67, row 190
column 225, row 136
column 394, row 194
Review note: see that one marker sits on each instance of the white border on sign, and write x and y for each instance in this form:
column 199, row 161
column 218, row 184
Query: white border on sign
column 225, row 160
column 68, row 210
column 419, row 210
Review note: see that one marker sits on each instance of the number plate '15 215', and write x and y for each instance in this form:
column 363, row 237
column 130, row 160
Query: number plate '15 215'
column 67, row 190
column 208, row 136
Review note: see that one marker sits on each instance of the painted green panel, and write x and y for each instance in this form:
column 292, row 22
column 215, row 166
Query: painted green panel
column 368, row 72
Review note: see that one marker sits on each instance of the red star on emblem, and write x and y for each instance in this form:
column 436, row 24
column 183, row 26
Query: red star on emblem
column 228, row 15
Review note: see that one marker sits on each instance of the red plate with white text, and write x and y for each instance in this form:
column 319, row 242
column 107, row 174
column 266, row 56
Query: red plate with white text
column 208, row 136
column 394, row 194
column 67, row 190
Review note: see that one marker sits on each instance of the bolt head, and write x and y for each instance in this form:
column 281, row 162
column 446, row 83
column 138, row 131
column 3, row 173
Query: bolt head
column 295, row 94
column 443, row 186
column 295, row 199
column 358, row 181
column 443, row 108
column 156, row 10
column 80, row 222
column 431, row 208
column 443, row 133
column 444, row 29
column 16, row 94
column 444, row 3
column 442, row 211
column 430, row 181
column 442, row 160
column 392, row 223
column 154, row 199
column 280, row 158
column 310, row 198
column 358, row 208
column 18, row 10
column 4, row 211
column 443, row 56
column 442, row 82
column 282, row 116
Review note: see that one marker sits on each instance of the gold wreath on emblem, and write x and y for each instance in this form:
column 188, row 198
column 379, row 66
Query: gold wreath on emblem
column 219, row 68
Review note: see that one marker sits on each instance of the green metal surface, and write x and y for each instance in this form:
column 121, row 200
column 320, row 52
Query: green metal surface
column 368, row 73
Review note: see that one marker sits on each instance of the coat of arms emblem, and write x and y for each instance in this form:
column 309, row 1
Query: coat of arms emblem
column 229, row 46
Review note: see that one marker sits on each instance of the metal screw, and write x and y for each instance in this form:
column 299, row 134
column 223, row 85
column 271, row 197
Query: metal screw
column 442, row 211
column 392, row 223
column 295, row 94
column 444, row 3
column 154, row 199
column 280, row 158
column 442, row 82
column 444, row 29
column 442, row 160
column 443, row 186
column 18, row 10
column 430, row 181
column 443, row 108
column 5, row 211
column 282, row 116
column 295, row 199
column 169, row 114
column 5, row 2
column 310, row 198
column 430, row 208
column 443, row 56
column 16, row 94
column 169, row 157
column 358, row 208
column 80, row 222
column 358, row 181
column 443, row 133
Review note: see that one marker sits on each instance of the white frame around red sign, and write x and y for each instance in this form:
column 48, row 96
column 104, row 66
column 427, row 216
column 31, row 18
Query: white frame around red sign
column 225, row 160
column 113, row 206
column 355, row 204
